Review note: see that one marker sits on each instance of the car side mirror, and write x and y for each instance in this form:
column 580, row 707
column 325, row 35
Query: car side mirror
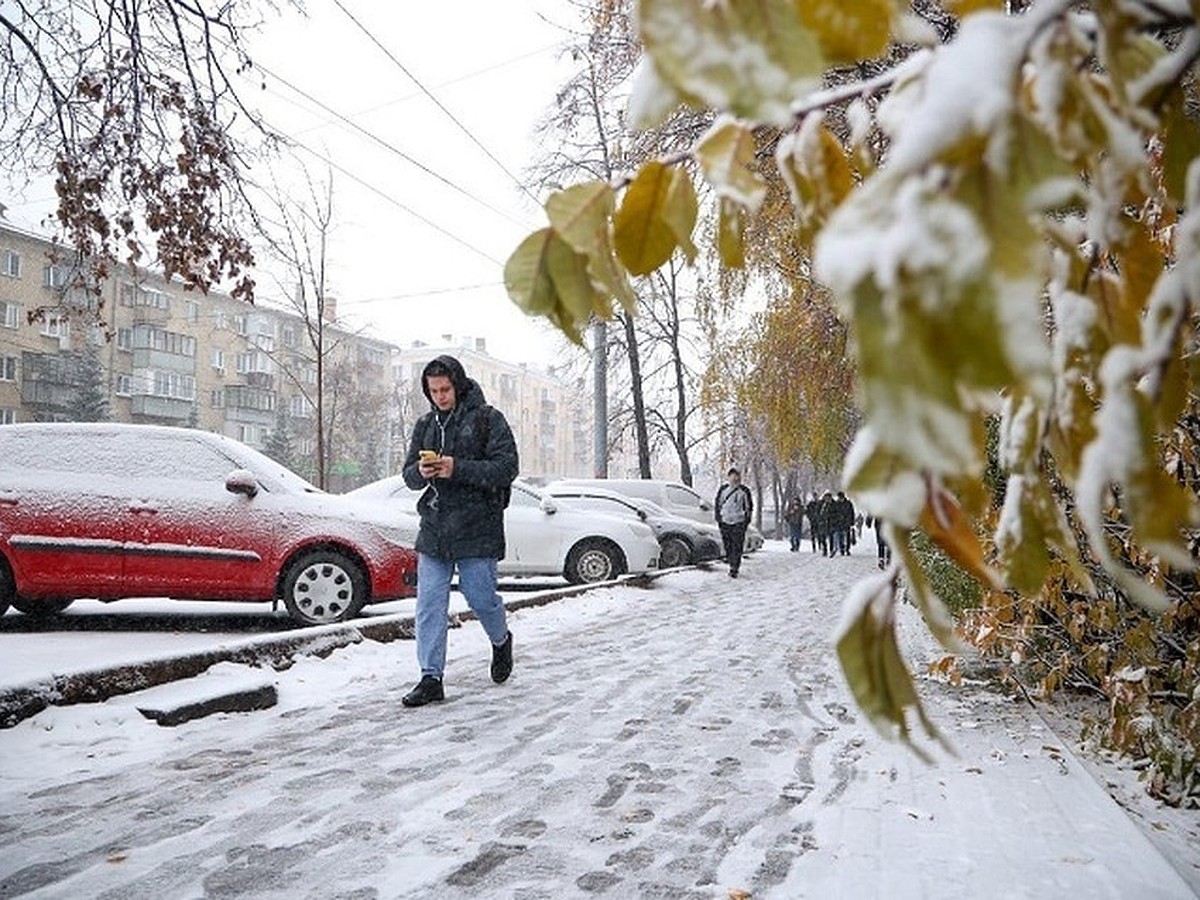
column 548, row 506
column 706, row 506
column 240, row 481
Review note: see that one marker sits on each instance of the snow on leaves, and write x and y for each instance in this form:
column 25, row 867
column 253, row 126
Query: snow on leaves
column 1004, row 240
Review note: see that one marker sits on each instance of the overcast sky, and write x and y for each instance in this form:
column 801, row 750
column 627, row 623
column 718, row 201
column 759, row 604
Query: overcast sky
column 410, row 102
column 424, row 218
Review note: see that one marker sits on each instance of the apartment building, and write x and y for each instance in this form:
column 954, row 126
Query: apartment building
column 147, row 351
column 550, row 419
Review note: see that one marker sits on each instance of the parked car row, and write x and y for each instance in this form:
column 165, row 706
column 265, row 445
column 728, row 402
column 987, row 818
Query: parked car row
column 544, row 537
column 105, row 511
column 675, row 498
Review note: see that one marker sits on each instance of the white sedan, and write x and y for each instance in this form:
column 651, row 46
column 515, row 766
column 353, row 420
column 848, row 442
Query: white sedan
column 547, row 538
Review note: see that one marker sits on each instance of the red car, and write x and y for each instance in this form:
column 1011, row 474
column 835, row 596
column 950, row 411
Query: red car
column 108, row 511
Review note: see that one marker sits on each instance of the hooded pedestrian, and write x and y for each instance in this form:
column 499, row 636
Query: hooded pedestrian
column 463, row 458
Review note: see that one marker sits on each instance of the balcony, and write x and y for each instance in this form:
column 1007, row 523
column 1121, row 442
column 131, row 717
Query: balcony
column 146, row 358
column 161, row 408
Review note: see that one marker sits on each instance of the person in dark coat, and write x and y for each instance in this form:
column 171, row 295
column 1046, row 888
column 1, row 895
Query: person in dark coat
column 812, row 510
column 882, row 549
column 793, row 514
column 842, row 524
column 826, row 519
column 463, row 455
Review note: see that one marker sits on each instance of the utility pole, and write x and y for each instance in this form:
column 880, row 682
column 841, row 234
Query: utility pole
column 600, row 398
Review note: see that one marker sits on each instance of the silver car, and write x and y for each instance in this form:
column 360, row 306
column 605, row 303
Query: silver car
column 682, row 541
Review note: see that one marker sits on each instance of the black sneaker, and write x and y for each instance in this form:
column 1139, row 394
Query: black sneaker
column 502, row 660
column 428, row 690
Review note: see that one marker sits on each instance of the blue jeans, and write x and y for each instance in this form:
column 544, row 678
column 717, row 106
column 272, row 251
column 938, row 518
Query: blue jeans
column 477, row 581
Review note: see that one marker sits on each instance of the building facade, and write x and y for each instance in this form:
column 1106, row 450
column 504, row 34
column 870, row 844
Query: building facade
column 146, row 351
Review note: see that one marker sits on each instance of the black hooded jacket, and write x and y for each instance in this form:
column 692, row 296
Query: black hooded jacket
column 462, row 517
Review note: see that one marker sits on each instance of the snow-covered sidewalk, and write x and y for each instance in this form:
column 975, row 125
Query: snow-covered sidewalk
column 690, row 739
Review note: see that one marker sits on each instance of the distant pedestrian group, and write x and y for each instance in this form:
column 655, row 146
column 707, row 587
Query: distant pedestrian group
column 832, row 523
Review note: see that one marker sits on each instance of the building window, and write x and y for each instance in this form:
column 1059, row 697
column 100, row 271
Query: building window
column 193, row 311
column 218, row 359
column 124, row 338
column 220, row 322
column 124, row 386
column 10, row 314
column 287, row 334
column 154, row 338
column 8, row 416
column 217, row 398
column 55, row 327
column 254, row 435
column 132, row 295
column 300, row 407
column 56, row 276
column 10, row 264
column 8, row 368
column 173, row 385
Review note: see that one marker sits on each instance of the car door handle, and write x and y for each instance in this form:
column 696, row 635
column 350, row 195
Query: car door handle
column 144, row 510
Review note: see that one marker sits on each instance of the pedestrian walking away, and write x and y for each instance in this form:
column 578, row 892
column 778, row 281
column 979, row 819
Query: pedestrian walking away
column 841, row 525
column 793, row 514
column 812, row 511
column 463, row 458
column 733, row 507
column 883, row 550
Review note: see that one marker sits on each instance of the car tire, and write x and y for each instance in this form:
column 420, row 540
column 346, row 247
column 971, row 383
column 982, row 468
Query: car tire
column 322, row 587
column 593, row 560
column 39, row 608
column 674, row 551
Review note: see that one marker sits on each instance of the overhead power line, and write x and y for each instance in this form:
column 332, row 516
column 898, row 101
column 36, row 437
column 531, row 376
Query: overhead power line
column 438, row 103
column 392, row 200
column 391, row 148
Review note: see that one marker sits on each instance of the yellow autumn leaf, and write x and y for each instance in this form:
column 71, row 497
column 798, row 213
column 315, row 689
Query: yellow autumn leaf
column 526, row 277
column 726, row 156
column 643, row 239
column 963, row 8
column 731, row 228
column 680, row 210
column 1181, row 145
column 757, row 57
column 944, row 523
column 545, row 276
column 1141, row 261
column 580, row 215
column 873, row 667
column 849, row 32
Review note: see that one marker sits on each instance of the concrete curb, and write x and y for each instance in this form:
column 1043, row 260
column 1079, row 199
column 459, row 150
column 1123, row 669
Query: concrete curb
column 278, row 651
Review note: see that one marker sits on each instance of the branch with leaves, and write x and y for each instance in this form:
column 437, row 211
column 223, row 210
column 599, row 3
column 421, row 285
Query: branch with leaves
column 1007, row 221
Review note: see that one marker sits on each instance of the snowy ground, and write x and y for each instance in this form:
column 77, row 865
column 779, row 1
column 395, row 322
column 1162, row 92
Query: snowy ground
column 693, row 739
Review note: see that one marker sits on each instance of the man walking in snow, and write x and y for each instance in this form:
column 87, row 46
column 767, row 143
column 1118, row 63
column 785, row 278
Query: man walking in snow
column 463, row 455
column 732, row 508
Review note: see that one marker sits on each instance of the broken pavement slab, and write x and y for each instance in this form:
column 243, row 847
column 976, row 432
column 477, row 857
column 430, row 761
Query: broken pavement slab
column 226, row 687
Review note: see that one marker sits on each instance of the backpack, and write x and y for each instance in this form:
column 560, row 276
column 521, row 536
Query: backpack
column 504, row 494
